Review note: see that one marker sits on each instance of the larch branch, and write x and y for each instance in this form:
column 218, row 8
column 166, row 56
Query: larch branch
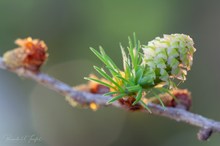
column 207, row 126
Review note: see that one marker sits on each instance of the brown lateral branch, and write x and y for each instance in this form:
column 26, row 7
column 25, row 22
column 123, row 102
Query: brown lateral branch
column 207, row 126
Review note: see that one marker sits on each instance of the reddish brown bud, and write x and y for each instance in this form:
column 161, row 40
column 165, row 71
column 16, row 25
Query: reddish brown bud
column 182, row 99
column 97, row 88
column 30, row 54
column 93, row 87
column 127, row 103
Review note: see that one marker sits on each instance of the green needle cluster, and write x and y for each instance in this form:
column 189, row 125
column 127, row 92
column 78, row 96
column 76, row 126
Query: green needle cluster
column 151, row 71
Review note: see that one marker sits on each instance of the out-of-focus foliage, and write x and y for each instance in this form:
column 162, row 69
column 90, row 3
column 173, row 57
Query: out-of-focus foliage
column 69, row 28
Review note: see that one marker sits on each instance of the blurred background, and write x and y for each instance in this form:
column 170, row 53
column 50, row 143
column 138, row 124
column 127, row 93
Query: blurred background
column 69, row 28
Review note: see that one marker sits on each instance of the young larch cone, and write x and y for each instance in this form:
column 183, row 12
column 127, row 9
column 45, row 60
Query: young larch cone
column 30, row 54
column 170, row 56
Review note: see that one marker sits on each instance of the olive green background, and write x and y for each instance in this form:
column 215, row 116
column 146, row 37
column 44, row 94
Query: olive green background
column 70, row 27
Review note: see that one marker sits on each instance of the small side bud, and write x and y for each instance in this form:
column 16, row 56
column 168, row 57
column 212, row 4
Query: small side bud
column 30, row 54
column 97, row 88
column 183, row 99
column 128, row 104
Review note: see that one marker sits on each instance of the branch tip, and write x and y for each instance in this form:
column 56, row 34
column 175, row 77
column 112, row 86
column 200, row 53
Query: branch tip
column 204, row 134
